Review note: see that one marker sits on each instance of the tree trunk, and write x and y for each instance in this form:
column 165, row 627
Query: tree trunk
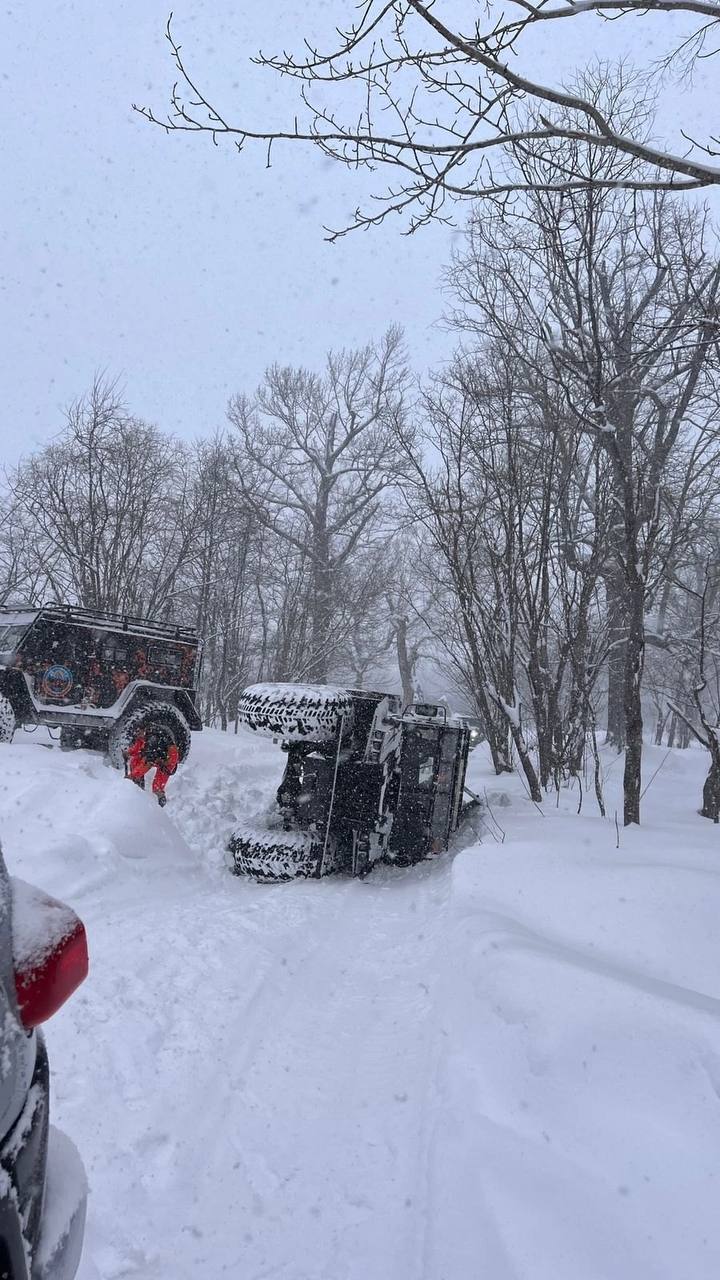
column 322, row 595
column 528, row 767
column 497, row 741
column 497, row 738
column 684, row 728
column 542, row 713
column 617, row 660
column 634, row 659
column 660, row 728
column 405, row 664
column 711, row 788
column 580, row 720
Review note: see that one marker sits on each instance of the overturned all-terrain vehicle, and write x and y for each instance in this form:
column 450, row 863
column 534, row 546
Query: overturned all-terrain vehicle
column 365, row 782
column 102, row 679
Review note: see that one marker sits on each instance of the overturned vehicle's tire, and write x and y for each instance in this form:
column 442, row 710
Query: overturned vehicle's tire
column 270, row 853
column 143, row 719
column 8, row 722
column 297, row 712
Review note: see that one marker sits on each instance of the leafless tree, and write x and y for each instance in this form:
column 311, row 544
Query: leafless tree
column 110, row 506
column 315, row 456
column 449, row 109
column 407, row 607
column 474, row 539
column 289, row 570
column 504, row 494
column 219, row 583
column 624, row 290
column 22, row 576
column 672, row 623
column 700, row 653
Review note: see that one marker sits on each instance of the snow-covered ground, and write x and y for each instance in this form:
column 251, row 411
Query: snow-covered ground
column 501, row 1064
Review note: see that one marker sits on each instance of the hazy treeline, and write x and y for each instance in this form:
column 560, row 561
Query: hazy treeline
column 275, row 538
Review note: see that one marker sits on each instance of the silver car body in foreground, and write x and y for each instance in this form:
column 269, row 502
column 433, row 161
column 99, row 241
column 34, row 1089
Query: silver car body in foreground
column 43, row 1189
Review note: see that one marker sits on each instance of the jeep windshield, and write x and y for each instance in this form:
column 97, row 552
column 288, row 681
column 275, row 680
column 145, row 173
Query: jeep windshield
column 12, row 630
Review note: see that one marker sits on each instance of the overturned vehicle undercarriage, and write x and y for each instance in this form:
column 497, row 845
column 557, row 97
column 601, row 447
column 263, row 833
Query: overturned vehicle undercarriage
column 365, row 782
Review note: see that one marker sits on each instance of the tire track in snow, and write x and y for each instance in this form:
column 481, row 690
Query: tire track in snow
column 356, row 1050
column 308, row 1099
column 516, row 935
column 249, row 1071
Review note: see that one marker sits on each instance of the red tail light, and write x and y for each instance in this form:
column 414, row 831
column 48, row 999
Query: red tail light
column 42, row 990
column 50, row 953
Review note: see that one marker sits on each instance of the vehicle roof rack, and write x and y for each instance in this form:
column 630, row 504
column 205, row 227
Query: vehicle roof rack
column 129, row 622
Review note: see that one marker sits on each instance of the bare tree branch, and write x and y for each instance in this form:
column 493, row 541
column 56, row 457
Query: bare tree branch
column 462, row 113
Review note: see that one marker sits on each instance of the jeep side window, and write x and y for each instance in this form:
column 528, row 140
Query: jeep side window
column 448, row 751
column 115, row 651
column 426, row 769
column 168, row 660
column 10, row 637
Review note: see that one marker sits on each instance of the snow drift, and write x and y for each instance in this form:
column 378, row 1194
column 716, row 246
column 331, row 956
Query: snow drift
column 501, row 1063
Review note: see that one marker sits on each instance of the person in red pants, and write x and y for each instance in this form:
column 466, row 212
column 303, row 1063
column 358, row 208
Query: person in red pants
column 156, row 750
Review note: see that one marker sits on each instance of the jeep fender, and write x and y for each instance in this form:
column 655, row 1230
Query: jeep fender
column 185, row 703
column 138, row 695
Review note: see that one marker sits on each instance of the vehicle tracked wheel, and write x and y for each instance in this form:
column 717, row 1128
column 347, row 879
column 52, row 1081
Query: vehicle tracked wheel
column 297, row 712
column 142, row 719
column 8, row 723
column 270, row 854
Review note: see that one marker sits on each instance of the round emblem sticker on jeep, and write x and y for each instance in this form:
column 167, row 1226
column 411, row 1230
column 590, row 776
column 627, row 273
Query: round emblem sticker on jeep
column 57, row 682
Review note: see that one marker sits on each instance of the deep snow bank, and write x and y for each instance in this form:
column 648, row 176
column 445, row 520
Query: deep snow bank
column 578, row 1124
column 71, row 823
column 500, row 1064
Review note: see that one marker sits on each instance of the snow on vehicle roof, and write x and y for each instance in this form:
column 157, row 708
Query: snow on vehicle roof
column 280, row 691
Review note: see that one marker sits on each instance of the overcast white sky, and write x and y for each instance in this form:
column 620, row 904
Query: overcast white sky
column 181, row 267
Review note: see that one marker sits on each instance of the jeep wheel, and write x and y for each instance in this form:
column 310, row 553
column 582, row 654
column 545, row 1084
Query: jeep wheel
column 8, row 723
column 152, row 715
column 297, row 712
column 271, row 854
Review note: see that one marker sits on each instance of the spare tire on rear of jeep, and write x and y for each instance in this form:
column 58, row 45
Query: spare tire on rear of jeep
column 267, row 853
column 297, row 712
column 142, row 719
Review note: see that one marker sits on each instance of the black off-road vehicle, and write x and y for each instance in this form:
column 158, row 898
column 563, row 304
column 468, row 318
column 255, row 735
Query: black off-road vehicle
column 101, row 678
column 365, row 782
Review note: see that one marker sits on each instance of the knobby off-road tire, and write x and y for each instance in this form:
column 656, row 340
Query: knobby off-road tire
column 8, row 722
column 269, row 853
column 150, row 715
column 297, row 712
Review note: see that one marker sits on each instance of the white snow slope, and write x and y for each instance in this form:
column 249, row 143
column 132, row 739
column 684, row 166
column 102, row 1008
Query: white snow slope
column 501, row 1064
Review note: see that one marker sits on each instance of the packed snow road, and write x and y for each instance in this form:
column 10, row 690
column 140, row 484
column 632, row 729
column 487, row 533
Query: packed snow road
column 499, row 1065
